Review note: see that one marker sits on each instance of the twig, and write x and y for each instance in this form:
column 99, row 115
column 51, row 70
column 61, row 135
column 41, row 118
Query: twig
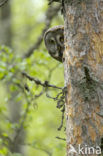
column 19, row 129
column 62, row 120
column 60, row 98
column 61, row 138
column 38, row 82
column 50, row 14
column 54, row 98
column 38, row 95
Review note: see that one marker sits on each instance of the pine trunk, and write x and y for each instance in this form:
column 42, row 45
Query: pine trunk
column 84, row 76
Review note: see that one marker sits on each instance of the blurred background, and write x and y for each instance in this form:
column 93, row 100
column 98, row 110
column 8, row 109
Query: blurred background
column 29, row 119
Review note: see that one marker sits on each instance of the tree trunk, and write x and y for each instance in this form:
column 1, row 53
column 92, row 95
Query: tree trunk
column 5, row 25
column 84, row 76
column 13, row 105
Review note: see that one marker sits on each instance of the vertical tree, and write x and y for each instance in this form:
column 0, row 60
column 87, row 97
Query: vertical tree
column 84, row 73
column 14, row 106
column 5, row 25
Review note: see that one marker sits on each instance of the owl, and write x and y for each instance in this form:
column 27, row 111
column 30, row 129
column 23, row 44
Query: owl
column 51, row 1
column 54, row 42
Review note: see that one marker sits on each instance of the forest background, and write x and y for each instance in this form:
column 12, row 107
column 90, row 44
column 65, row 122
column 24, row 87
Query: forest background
column 29, row 118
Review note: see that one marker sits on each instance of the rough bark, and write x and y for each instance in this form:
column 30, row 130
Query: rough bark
column 83, row 73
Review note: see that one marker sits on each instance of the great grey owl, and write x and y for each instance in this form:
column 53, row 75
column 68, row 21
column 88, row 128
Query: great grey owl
column 54, row 41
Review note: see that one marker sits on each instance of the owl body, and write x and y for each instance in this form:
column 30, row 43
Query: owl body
column 54, row 42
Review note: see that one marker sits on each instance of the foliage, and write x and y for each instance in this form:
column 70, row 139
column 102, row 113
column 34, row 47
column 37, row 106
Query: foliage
column 39, row 116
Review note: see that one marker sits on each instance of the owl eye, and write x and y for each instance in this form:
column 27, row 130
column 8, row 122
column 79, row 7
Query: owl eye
column 52, row 41
column 61, row 39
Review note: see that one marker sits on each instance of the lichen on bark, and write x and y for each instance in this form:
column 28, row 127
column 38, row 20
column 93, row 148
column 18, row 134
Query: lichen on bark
column 83, row 32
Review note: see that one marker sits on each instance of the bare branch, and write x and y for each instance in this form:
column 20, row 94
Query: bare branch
column 62, row 120
column 50, row 14
column 60, row 98
column 38, row 82
column 61, row 138
column 23, row 118
column 3, row 2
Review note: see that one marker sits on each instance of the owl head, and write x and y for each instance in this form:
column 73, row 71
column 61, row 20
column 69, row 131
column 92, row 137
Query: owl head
column 54, row 42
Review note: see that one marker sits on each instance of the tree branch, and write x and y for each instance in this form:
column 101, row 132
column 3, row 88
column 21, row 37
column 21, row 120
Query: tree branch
column 38, row 82
column 3, row 3
column 61, row 138
column 50, row 14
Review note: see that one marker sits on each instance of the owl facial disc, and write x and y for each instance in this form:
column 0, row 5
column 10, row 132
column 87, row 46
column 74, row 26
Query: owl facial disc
column 54, row 42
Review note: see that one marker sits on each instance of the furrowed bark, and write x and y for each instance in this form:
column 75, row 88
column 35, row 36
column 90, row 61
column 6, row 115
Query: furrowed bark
column 83, row 73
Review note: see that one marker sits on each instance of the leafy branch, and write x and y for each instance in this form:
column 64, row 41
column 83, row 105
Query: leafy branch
column 60, row 98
